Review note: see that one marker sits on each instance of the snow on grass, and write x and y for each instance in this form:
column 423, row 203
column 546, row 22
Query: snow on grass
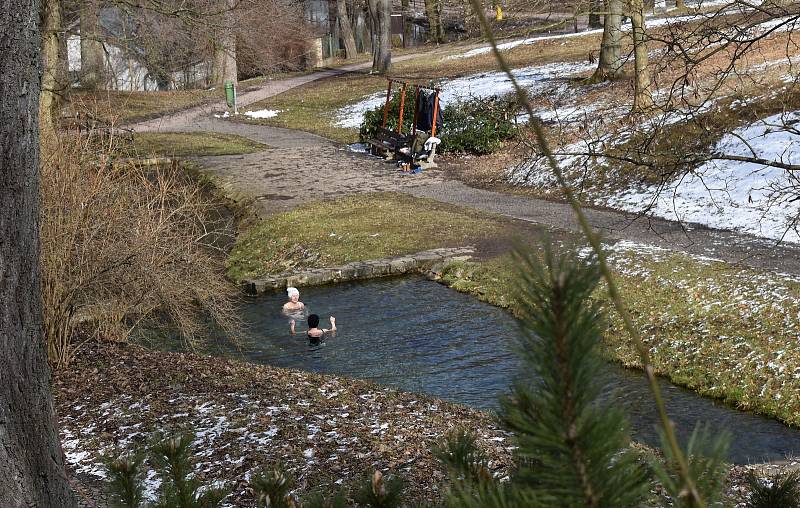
column 263, row 113
column 742, row 196
column 535, row 79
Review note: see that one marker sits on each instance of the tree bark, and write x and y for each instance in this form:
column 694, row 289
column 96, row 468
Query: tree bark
column 434, row 21
column 594, row 14
column 92, row 55
column 643, row 98
column 31, row 461
column 382, row 41
column 680, row 4
column 225, row 68
column 610, row 63
column 55, row 76
column 346, row 29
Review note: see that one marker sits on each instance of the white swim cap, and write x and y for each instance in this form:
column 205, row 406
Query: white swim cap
column 292, row 291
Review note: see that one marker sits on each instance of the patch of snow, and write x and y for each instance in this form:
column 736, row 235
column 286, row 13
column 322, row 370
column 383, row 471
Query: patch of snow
column 742, row 196
column 263, row 113
column 535, row 79
column 223, row 115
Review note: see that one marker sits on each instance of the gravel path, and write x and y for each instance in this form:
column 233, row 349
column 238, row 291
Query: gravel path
column 300, row 167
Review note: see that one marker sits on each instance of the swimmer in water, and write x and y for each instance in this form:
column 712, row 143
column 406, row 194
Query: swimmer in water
column 314, row 331
column 294, row 304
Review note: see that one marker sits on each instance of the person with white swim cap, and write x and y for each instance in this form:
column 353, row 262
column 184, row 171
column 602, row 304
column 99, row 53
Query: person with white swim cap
column 294, row 304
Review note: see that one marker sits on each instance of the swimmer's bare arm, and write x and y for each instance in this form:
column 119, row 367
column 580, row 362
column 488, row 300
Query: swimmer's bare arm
column 333, row 325
column 291, row 326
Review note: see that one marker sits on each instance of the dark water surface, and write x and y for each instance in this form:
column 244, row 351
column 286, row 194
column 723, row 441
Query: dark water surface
column 417, row 335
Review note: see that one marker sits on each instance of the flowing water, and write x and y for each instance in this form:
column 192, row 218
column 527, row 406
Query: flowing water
column 419, row 336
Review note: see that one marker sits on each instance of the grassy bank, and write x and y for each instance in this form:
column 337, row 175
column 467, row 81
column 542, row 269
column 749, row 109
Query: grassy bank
column 723, row 331
column 356, row 228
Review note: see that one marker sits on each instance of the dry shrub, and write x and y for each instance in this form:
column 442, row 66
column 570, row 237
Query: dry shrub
column 272, row 36
column 125, row 244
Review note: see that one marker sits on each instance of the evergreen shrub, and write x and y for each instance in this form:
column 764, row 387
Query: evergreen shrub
column 477, row 126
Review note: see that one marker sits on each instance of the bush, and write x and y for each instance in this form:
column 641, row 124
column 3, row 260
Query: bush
column 477, row 126
column 124, row 244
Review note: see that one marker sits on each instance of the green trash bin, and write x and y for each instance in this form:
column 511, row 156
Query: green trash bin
column 230, row 93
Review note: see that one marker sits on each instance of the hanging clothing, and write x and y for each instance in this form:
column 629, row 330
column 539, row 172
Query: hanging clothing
column 425, row 107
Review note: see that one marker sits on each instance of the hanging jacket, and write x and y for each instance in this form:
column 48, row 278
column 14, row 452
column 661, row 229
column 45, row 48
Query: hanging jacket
column 425, row 107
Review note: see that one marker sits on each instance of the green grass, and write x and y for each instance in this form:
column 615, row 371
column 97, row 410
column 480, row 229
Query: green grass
column 188, row 144
column 355, row 228
column 725, row 332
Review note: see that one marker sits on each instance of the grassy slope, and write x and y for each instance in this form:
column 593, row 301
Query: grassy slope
column 723, row 331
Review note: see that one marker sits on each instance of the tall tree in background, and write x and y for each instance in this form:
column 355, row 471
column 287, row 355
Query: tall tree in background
column 346, row 28
column 224, row 67
column 611, row 60
column 92, row 61
column 643, row 98
column 379, row 13
column 433, row 13
column 594, row 14
column 55, row 82
column 31, row 461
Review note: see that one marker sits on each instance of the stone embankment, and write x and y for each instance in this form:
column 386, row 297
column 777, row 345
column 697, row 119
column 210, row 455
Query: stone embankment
column 419, row 262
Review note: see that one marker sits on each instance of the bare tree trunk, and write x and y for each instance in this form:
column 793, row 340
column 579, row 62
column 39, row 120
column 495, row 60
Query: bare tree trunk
column 610, row 63
column 680, row 4
column 406, row 4
column 431, row 12
column 594, row 14
column 225, row 68
column 382, row 41
column 31, row 460
column 346, row 29
column 92, row 55
column 54, row 76
column 642, row 98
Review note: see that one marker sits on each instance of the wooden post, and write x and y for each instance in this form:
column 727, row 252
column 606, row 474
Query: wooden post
column 435, row 112
column 416, row 108
column 402, row 105
column 386, row 106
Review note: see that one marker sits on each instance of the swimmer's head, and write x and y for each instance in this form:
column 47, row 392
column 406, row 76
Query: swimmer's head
column 313, row 321
column 293, row 293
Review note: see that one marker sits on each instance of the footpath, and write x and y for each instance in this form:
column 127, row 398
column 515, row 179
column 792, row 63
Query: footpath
column 299, row 167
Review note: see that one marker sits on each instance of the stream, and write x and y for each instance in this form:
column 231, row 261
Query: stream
column 420, row 336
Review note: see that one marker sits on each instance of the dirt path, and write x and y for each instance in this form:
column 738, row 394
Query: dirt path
column 300, row 167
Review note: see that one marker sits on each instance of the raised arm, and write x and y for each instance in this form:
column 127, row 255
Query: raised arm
column 333, row 324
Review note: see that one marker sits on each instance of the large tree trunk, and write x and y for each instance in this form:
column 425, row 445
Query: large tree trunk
column 92, row 55
column 643, row 98
column 382, row 40
column 611, row 59
column 55, row 76
column 225, row 68
column 346, row 29
column 680, row 4
column 31, row 461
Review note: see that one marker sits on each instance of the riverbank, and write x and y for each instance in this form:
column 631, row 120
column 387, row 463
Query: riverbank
column 327, row 431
